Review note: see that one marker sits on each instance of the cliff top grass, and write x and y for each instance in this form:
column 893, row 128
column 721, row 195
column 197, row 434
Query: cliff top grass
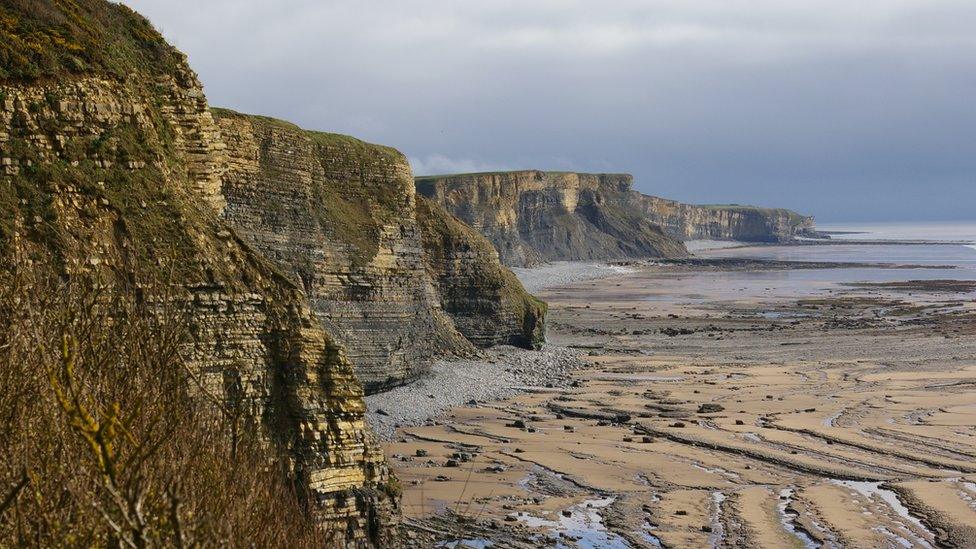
column 794, row 216
column 221, row 112
column 41, row 39
column 319, row 137
column 431, row 178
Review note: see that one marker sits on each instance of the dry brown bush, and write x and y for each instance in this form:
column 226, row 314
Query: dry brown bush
column 106, row 441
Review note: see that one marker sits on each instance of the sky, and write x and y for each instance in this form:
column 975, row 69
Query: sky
column 847, row 110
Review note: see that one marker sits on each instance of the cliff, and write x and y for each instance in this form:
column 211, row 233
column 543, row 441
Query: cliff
column 337, row 215
column 725, row 222
column 111, row 169
column 341, row 218
column 486, row 301
column 533, row 216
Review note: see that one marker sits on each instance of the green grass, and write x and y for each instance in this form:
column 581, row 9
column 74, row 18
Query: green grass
column 431, row 178
column 146, row 215
column 41, row 39
column 220, row 112
column 795, row 218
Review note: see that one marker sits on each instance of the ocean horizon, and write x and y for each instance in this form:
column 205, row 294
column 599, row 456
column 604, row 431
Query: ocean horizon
column 902, row 230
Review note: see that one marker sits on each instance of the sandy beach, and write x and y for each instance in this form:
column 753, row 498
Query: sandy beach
column 841, row 416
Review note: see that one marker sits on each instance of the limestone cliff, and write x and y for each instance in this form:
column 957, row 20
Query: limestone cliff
column 534, row 216
column 337, row 215
column 725, row 222
column 486, row 301
column 111, row 164
column 340, row 216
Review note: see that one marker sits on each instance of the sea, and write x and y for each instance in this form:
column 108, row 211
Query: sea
column 928, row 251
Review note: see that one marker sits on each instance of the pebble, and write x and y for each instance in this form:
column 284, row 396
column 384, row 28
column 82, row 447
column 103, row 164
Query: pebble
column 501, row 372
column 560, row 273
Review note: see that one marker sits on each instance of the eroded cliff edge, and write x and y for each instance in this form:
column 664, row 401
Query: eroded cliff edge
column 486, row 301
column 726, row 222
column 111, row 170
column 395, row 280
column 534, row 216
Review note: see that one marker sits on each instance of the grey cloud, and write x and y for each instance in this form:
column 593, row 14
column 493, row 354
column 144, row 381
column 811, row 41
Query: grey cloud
column 847, row 110
column 437, row 164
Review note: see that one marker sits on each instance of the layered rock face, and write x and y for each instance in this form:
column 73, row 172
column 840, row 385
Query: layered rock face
column 337, row 215
column 533, row 216
column 396, row 281
column 729, row 222
column 111, row 167
column 486, row 301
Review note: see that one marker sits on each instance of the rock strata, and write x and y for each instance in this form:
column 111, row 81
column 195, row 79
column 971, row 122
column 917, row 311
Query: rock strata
column 484, row 299
column 337, row 215
column 397, row 280
column 726, row 222
column 111, row 168
column 532, row 217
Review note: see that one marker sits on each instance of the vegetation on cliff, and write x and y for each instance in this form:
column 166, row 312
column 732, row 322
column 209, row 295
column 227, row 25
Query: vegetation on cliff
column 237, row 420
column 58, row 38
column 358, row 216
column 380, row 264
column 793, row 217
column 336, row 214
column 107, row 441
column 340, row 197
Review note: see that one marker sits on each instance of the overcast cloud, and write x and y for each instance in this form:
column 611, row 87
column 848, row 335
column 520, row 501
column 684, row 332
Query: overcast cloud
column 847, row 110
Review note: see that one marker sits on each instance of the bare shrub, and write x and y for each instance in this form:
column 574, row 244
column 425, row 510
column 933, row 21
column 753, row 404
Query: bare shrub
column 107, row 442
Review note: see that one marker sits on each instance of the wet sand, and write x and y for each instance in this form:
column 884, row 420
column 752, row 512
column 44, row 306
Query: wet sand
column 839, row 416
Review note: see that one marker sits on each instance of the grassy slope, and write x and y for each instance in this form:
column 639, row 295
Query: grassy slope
column 427, row 179
column 41, row 39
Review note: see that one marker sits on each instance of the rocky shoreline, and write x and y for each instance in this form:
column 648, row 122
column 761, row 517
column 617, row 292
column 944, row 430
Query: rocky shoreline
column 497, row 373
column 501, row 372
column 561, row 273
column 714, row 424
column 504, row 371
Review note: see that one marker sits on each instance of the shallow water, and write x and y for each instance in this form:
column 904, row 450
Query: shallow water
column 933, row 230
column 718, row 532
column 962, row 253
column 585, row 525
column 651, row 539
column 959, row 255
column 829, row 422
column 707, row 286
column 872, row 490
column 786, row 518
